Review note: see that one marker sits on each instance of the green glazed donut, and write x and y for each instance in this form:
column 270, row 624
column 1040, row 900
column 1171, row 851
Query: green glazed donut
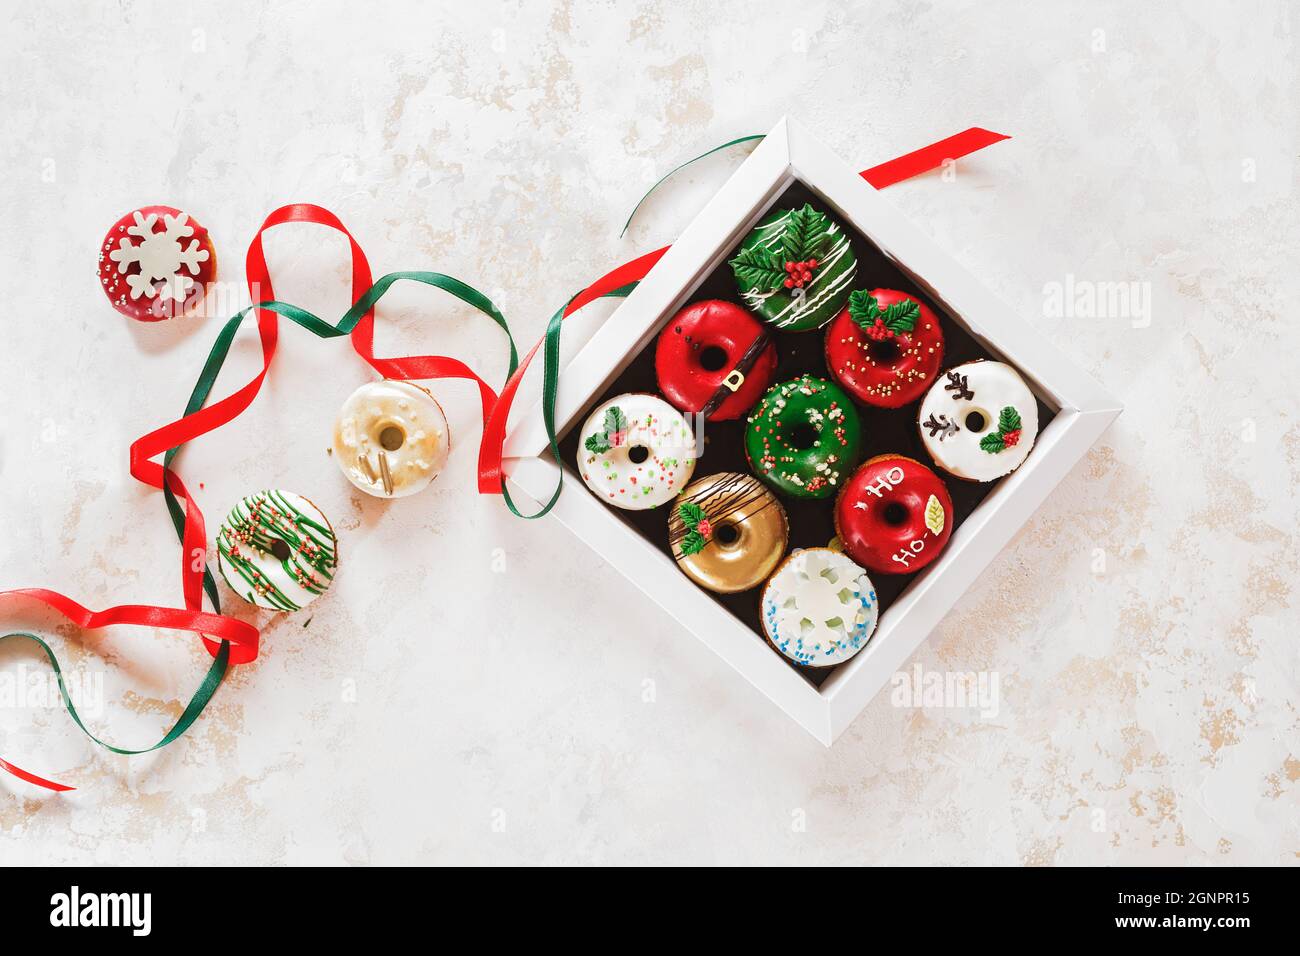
column 796, row 269
column 803, row 436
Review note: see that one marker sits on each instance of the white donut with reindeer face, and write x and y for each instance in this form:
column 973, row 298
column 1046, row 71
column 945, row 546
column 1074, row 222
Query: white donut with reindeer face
column 636, row 452
column 979, row 420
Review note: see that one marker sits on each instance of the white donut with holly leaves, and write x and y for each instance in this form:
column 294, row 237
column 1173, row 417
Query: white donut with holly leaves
column 636, row 452
column 979, row 420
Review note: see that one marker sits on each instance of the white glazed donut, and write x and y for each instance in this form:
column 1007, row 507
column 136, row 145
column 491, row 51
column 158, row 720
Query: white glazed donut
column 636, row 452
column 819, row 608
column 979, row 420
column 277, row 550
column 391, row 439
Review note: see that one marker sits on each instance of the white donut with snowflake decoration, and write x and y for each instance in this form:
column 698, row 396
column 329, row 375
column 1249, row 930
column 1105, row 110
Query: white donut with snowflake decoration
column 819, row 608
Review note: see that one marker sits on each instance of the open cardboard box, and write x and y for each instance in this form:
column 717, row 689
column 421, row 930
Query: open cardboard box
column 788, row 167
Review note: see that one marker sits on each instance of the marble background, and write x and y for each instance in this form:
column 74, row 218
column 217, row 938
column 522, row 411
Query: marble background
column 478, row 689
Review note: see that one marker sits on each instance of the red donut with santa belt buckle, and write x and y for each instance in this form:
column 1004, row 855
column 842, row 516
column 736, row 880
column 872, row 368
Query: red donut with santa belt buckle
column 894, row 515
column 715, row 359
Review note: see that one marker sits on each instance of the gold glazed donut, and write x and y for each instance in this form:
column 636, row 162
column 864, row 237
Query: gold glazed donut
column 391, row 439
column 728, row 532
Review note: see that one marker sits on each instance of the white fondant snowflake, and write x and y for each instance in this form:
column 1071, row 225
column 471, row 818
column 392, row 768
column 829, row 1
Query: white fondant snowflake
column 823, row 603
column 161, row 257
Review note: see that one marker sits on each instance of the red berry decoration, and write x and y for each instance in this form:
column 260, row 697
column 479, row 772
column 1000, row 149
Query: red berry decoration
column 1011, row 438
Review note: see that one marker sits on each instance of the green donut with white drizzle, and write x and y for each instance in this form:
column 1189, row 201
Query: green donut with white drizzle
column 277, row 550
column 796, row 269
column 803, row 437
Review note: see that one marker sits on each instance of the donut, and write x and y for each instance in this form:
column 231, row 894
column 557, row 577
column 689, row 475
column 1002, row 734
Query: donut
column 156, row 263
column 979, row 420
column 636, row 451
column 391, row 439
column 714, row 358
column 795, row 269
column 819, row 608
column 727, row 532
column 276, row 550
column 894, row 515
column 885, row 347
column 803, row 436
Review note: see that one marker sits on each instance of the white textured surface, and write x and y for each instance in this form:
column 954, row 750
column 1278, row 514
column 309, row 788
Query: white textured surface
column 476, row 688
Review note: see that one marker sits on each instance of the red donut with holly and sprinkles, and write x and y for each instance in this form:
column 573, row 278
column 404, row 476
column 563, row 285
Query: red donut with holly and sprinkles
column 715, row 359
column 894, row 515
column 156, row 263
column 885, row 347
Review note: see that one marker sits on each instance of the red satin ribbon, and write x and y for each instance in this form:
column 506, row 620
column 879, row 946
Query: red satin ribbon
column 886, row 174
column 242, row 636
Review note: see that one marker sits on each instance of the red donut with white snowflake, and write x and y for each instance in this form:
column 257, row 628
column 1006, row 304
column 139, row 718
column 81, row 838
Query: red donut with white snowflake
column 155, row 263
column 715, row 359
column 894, row 515
column 885, row 347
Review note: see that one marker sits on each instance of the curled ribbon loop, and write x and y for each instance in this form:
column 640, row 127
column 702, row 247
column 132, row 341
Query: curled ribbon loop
column 231, row 632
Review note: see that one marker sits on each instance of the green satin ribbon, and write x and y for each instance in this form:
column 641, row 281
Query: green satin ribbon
column 672, row 172
column 550, row 389
column 211, row 681
column 322, row 329
column 202, row 389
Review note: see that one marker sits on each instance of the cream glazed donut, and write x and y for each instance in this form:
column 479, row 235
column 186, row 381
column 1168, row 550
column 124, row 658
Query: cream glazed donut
column 979, row 420
column 391, row 439
column 636, row 451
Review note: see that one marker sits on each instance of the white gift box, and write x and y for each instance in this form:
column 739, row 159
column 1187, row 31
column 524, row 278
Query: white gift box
column 1082, row 411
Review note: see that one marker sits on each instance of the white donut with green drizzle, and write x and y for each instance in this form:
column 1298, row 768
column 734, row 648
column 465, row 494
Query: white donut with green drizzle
column 978, row 421
column 277, row 550
column 636, row 452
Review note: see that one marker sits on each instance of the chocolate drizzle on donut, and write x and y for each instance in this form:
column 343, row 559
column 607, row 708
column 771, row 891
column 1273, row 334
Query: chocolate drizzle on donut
column 743, row 365
column 724, row 500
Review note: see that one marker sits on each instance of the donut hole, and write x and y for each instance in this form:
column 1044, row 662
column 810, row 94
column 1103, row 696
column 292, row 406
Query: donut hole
column 976, row 422
column 280, row 548
column 638, row 453
column 391, row 437
column 802, row 436
column 713, row 358
column 886, row 352
column 894, row 514
column 726, row 534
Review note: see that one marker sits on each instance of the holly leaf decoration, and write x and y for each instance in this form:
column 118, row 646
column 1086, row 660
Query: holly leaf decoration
column 759, row 268
column 693, row 543
column 597, row 444
column 934, row 516
column 615, row 421
column 1008, row 420
column 899, row 317
column 992, row 443
column 806, row 234
column 691, row 514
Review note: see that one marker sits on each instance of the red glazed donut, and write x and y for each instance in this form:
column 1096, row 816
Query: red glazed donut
column 885, row 347
column 156, row 263
column 714, row 357
column 894, row 515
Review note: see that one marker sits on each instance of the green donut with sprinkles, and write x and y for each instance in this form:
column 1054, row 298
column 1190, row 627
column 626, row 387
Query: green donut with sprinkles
column 803, row 437
column 796, row 269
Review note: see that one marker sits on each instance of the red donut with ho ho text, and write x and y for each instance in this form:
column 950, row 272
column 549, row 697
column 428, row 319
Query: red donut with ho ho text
column 894, row 515
column 885, row 347
column 156, row 263
column 716, row 358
